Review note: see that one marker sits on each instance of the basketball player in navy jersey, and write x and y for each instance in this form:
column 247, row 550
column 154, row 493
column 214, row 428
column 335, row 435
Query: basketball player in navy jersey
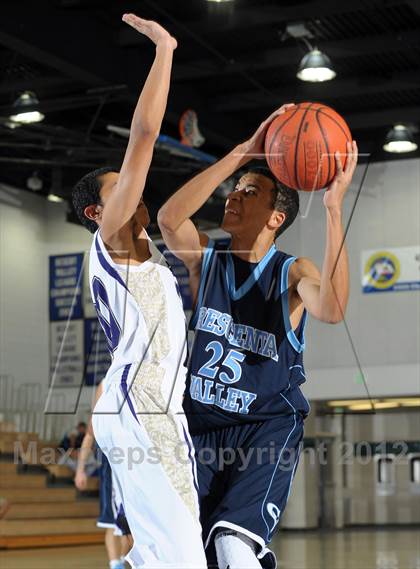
column 243, row 402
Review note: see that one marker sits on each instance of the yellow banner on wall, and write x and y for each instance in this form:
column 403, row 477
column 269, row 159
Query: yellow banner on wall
column 391, row 269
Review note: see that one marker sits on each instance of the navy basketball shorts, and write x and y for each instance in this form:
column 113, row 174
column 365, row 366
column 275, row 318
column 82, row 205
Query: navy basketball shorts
column 106, row 510
column 245, row 473
column 111, row 514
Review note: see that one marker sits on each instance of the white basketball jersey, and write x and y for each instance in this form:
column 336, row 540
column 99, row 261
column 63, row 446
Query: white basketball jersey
column 140, row 310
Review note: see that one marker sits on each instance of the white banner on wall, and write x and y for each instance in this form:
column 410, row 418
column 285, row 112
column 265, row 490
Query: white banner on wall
column 391, row 269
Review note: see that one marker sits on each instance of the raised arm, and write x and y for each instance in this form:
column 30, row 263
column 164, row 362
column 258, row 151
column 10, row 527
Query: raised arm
column 145, row 127
column 325, row 295
column 178, row 231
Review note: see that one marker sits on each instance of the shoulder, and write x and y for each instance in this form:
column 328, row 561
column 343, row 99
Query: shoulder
column 303, row 267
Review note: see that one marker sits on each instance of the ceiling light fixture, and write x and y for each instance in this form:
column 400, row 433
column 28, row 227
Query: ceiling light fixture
column 34, row 182
column 316, row 67
column 22, row 116
column 54, row 198
column 399, row 139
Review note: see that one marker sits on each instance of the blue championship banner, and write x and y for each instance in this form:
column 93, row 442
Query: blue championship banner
column 79, row 352
column 97, row 354
column 66, row 287
column 390, row 270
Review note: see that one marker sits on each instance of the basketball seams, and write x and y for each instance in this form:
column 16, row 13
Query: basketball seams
column 319, row 171
column 327, row 148
column 322, row 112
column 274, row 139
column 337, row 123
column 297, row 146
column 307, row 132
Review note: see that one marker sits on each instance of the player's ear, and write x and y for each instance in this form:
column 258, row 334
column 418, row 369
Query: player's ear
column 277, row 219
column 93, row 212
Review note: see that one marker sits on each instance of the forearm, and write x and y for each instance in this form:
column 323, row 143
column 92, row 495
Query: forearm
column 334, row 286
column 148, row 115
column 145, row 126
column 194, row 194
column 85, row 451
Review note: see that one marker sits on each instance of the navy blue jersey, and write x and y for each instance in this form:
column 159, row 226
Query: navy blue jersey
column 246, row 361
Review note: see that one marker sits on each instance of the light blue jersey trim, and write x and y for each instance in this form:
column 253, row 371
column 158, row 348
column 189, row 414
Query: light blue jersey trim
column 205, row 265
column 284, row 285
column 253, row 277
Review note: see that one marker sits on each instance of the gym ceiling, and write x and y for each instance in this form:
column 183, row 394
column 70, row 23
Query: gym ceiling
column 236, row 62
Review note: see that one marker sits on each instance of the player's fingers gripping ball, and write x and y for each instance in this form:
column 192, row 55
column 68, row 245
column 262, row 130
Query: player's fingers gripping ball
column 301, row 143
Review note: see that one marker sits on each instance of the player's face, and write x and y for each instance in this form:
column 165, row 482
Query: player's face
column 249, row 207
column 109, row 184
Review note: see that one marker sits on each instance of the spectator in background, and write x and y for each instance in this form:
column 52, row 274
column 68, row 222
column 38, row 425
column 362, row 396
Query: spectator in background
column 74, row 438
column 72, row 443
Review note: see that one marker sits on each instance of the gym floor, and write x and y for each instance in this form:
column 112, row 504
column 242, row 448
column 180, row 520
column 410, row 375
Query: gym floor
column 349, row 549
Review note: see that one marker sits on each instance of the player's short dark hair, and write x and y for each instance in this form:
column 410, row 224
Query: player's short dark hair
column 86, row 192
column 285, row 199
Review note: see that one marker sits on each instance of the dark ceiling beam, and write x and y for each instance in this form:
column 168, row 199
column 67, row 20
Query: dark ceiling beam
column 383, row 117
column 70, row 46
column 35, row 84
column 60, row 104
column 299, row 91
column 383, row 43
column 261, row 15
column 414, row 5
column 45, row 57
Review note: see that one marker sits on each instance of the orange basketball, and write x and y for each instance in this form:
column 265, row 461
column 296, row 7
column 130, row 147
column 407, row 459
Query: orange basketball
column 300, row 146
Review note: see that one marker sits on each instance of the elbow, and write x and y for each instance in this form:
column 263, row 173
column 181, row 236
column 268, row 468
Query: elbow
column 333, row 310
column 149, row 133
column 166, row 221
column 333, row 317
column 144, row 130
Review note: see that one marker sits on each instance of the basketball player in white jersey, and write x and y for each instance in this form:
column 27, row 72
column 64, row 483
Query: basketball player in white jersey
column 138, row 421
column 117, row 537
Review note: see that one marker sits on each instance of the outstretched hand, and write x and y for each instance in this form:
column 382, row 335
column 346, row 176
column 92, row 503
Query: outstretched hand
column 334, row 195
column 151, row 29
column 254, row 147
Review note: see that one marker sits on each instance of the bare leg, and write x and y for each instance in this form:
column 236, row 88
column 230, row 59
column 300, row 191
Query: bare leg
column 112, row 544
column 126, row 544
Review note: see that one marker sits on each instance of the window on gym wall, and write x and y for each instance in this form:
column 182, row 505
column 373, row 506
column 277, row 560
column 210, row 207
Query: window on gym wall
column 386, row 470
column 415, row 469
